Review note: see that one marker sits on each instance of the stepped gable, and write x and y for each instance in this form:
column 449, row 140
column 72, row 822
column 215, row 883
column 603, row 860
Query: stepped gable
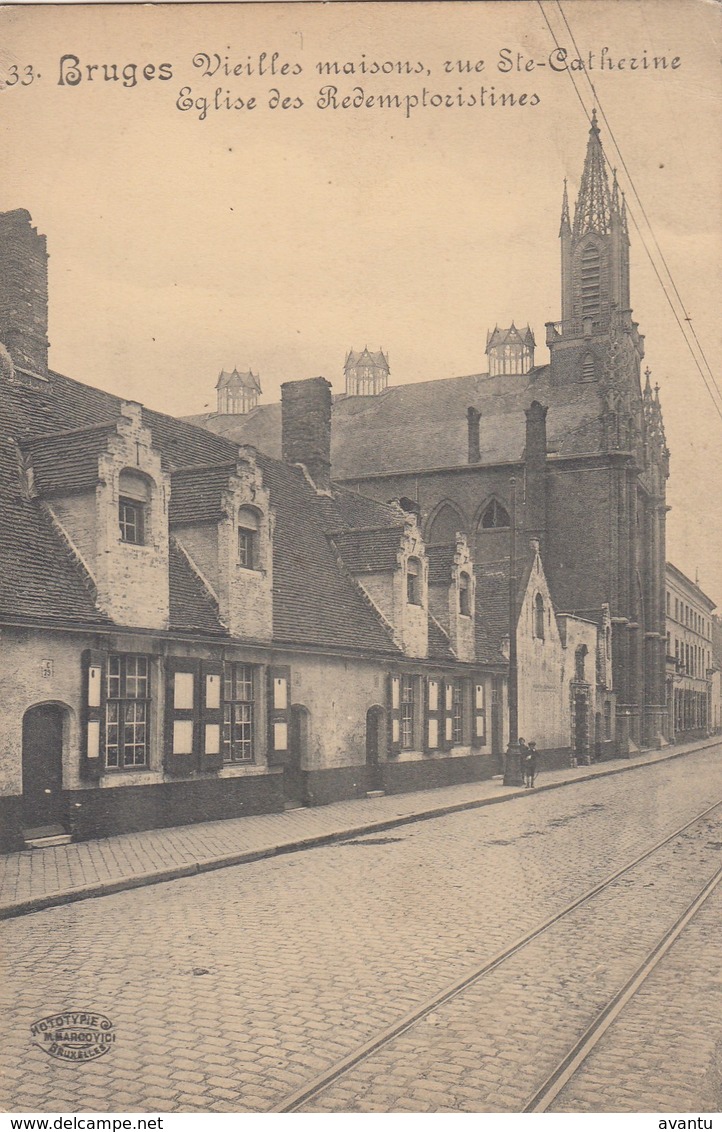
column 423, row 426
column 315, row 602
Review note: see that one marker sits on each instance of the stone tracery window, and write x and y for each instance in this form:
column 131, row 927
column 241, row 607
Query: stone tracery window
column 495, row 516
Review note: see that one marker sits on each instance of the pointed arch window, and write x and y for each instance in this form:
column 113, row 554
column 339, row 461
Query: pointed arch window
column 539, row 617
column 591, row 281
column 495, row 516
column 580, row 660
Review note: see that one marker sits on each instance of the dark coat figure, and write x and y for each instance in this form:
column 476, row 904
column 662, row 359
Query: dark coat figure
column 530, row 764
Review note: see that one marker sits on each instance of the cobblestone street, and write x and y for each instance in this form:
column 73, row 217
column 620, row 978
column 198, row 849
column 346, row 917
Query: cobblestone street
column 229, row 990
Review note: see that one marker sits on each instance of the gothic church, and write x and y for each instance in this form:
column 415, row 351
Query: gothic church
column 582, row 437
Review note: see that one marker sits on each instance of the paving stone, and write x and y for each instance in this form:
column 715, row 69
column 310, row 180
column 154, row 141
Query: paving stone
column 312, row 954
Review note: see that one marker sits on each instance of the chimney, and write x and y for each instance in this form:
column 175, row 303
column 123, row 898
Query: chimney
column 473, row 417
column 535, row 461
column 306, row 428
column 24, row 292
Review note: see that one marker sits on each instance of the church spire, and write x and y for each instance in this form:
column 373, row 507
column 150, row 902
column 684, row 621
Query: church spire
column 565, row 224
column 594, row 205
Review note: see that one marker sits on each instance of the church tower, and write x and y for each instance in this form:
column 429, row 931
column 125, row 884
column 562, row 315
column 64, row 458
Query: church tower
column 596, row 353
column 595, row 279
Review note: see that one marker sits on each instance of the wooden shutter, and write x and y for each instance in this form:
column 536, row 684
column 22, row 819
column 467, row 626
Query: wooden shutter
column 478, row 694
column 433, row 738
column 279, row 714
column 211, row 721
column 93, row 700
column 182, row 722
column 393, row 697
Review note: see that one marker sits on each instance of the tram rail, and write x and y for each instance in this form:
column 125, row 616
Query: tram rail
column 545, row 1094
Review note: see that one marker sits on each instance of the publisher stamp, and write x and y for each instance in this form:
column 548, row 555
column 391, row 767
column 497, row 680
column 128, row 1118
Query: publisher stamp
column 74, row 1035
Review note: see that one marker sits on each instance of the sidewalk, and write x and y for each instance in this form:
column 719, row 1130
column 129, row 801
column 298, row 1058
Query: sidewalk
column 42, row 878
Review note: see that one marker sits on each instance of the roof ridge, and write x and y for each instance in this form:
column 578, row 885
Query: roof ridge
column 188, row 468
column 63, row 432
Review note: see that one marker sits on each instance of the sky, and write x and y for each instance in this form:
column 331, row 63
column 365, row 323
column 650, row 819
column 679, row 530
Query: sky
column 279, row 237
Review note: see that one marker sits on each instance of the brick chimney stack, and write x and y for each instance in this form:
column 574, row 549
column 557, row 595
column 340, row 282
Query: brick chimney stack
column 306, row 428
column 24, row 292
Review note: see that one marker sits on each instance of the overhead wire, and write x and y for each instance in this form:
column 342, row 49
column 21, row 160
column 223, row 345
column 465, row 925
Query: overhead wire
column 634, row 220
column 598, row 103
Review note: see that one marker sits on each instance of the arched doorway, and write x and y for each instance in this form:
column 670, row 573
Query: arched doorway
column 294, row 794
column 43, row 802
column 375, row 748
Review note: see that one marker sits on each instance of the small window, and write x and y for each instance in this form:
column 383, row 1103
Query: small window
column 495, row 516
column 248, row 539
column 407, row 712
column 539, row 617
column 131, row 521
column 413, row 581
column 464, row 596
column 580, row 659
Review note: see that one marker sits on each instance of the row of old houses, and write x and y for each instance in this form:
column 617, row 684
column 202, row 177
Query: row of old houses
column 296, row 603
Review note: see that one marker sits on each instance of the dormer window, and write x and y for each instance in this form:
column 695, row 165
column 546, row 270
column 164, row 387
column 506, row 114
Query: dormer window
column 413, row 581
column 134, row 498
column 464, row 596
column 248, row 539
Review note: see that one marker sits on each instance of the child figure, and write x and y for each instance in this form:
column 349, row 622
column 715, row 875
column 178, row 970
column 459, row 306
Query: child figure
column 530, row 764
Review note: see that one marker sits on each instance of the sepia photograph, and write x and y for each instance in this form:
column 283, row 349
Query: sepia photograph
column 360, row 562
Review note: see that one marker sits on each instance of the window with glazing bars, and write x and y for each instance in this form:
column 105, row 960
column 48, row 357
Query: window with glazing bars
column 130, row 520
column 457, row 714
column 407, row 712
column 238, row 716
column 127, row 711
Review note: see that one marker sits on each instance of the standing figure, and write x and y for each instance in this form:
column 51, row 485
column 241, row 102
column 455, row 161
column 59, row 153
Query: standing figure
column 530, row 764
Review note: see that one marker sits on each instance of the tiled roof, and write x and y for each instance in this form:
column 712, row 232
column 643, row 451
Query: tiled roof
column 67, row 462
column 439, row 643
column 191, row 606
column 38, row 578
column 492, row 610
column 441, row 559
column 196, row 493
column 423, row 426
column 314, row 601
column 369, row 551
